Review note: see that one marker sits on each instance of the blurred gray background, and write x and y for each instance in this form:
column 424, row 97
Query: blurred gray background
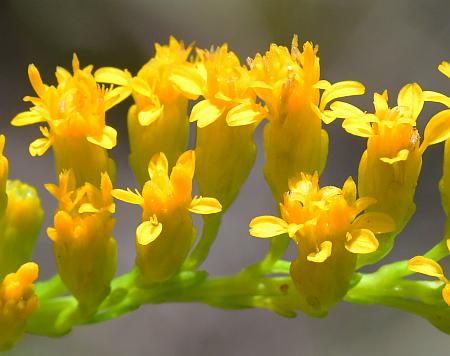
column 383, row 44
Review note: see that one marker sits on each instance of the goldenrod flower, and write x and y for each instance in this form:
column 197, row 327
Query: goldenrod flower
column 75, row 113
column 166, row 234
column 17, row 302
column 85, row 251
column 429, row 267
column 390, row 167
column 329, row 230
column 226, row 117
column 158, row 120
column 289, row 84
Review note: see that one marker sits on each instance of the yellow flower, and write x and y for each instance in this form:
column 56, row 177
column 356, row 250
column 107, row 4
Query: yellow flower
column 74, row 110
column 329, row 230
column 158, row 121
column 390, row 167
column 429, row 267
column 289, row 84
column 226, row 117
column 166, row 234
column 17, row 302
column 84, row 249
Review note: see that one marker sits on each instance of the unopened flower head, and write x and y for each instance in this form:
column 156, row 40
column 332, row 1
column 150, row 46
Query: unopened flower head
column 158, row 121
column 85, row 251
column 329, row 229
column 289, row 84
column 17, row 302
column 166, row 234
column 74, row 111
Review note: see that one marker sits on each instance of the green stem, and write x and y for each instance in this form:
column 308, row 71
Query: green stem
column 211, row 225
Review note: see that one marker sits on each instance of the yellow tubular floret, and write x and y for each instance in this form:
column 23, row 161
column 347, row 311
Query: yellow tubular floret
column 166, row 233
column 330, row 228
column 74, row 111
column 17, row 302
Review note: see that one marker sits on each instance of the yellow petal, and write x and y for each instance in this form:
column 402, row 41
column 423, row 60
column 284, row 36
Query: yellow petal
column 323, row 253
column 108, row 139
column 376, row 222
column 27, row 118
column 426, row 266
column 141, row 87
column 363, row 203
column 444, row 68
column 149, row 115
column 346, row 111
column 437, row 129
column 268, row 226
column 158, row 165
column 87, row 208
column 39, row 146
column 322, row 84
column 116, row 96
column 188, row 81
column 36, row 81
column 402, row 155
column 358, row 127
column 349, row 190
column 245, row 114
column 127, row 196
column 339, row 90
column 361, row 241
column 205, row 113
column 148, row 231
column 200, row 205
column 410, row 98
column 112, row 75
column 446, row 289
column 435, row 97
column 380, row 102
column 187, row 162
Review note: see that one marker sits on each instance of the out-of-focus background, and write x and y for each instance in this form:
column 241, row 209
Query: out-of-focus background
column 383, row 44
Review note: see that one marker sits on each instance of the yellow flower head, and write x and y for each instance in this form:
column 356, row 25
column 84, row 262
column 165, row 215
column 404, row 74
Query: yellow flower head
column 152, row 87
column 286, row 80
column 329, row 229
column 429, row 267
column 317, row 218
column 394, row 129
column 17, row 302
column 85, row 251
column 74, row 108
column 162, row 195
column 225, row 86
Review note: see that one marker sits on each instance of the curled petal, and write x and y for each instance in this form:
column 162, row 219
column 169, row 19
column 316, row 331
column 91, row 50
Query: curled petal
column 444, row 68
column 435, row 97
column 245, row 114
column 158, row 165
column 378, row 223
column 127, row 196
column 323, row 253
column 410, row 98
column 27, row 118
column 113, row 75
column 426, row 266
column 150, row 115
column 437, row 129
column 108, row 139
column 36, row 81
column 402, row 155
column 188, row 81
column 115, row 96
column 267, row 226
column 205, row 113
column 148, row 231
column 361, row 241
column 358, row 127
column 141, row 87
column 39, row 146
column 346, row 111
column 380, row 102
column 339, row 90
column 200, row 205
